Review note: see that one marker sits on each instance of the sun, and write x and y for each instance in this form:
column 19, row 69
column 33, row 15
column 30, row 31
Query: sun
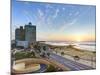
column 78, row 39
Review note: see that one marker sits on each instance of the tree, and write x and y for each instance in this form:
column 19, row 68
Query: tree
column 44, row 48
column 62, row 53
column 56, row 51
column 43, row 55
column 48, row 54
column 76, row 58
column 32, row 53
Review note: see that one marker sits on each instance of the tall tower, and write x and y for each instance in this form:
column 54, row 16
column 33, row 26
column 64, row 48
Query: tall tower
column 30, row 33
column 20, row 34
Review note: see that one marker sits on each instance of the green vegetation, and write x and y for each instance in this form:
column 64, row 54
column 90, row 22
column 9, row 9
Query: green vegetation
column 62, row 53
column 48, row 54
column 76, row 58
column 21, row 55
column 94, row 52
column 51, row 68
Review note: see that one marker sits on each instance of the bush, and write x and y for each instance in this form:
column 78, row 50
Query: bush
column 51, row 69
column 62, row 53
column 76, row 57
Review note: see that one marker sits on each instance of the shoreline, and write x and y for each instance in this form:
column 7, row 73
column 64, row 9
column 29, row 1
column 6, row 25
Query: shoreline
column 79, row 45
column 72, row 51
column 85, row 57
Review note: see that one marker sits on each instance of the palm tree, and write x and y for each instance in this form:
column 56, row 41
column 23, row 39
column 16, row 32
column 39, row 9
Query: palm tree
column 56, row 51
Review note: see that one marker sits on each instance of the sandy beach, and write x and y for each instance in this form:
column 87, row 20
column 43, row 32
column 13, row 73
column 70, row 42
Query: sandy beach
column 85, row 57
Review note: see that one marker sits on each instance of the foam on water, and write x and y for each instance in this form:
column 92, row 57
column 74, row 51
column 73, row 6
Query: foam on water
column 81, row 45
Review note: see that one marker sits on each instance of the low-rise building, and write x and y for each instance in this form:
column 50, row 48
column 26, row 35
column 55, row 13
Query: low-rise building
column 24, row 44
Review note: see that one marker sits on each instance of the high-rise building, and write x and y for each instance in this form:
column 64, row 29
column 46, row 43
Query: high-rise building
column 26, row 34
column 30, row 33
column 20, row 34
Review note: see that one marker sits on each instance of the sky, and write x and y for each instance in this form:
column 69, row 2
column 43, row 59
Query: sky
column 56, row 22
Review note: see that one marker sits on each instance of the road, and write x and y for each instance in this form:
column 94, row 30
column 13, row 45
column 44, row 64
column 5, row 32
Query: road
column 74, row 66
column 42, row 69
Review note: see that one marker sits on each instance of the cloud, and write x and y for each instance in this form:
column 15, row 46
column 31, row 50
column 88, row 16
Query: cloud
column 56, row 13
column 27, row 15
column 73, row 21
column 27, row 3
column 43, row 20
column 48, row 6
column 77, row 13
column 67, row 25
column 41, row 17
column 74, row 14
column 40, row 13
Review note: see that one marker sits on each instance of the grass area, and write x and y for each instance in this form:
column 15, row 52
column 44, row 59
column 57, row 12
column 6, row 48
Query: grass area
column 21, row 55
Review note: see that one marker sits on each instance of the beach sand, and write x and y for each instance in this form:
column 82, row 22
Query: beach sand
column 86, row 57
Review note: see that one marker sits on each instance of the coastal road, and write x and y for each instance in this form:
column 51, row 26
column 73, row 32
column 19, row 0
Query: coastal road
column 74, row 66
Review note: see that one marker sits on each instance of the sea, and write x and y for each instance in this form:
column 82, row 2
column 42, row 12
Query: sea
column 91, row 46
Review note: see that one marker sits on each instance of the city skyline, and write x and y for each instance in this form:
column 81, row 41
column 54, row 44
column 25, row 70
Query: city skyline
column 61, row 22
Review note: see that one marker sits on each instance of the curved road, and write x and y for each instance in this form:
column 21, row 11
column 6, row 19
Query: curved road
column 42, row 69
column 74, row 66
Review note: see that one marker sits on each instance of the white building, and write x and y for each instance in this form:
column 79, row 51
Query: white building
column 22, row 43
